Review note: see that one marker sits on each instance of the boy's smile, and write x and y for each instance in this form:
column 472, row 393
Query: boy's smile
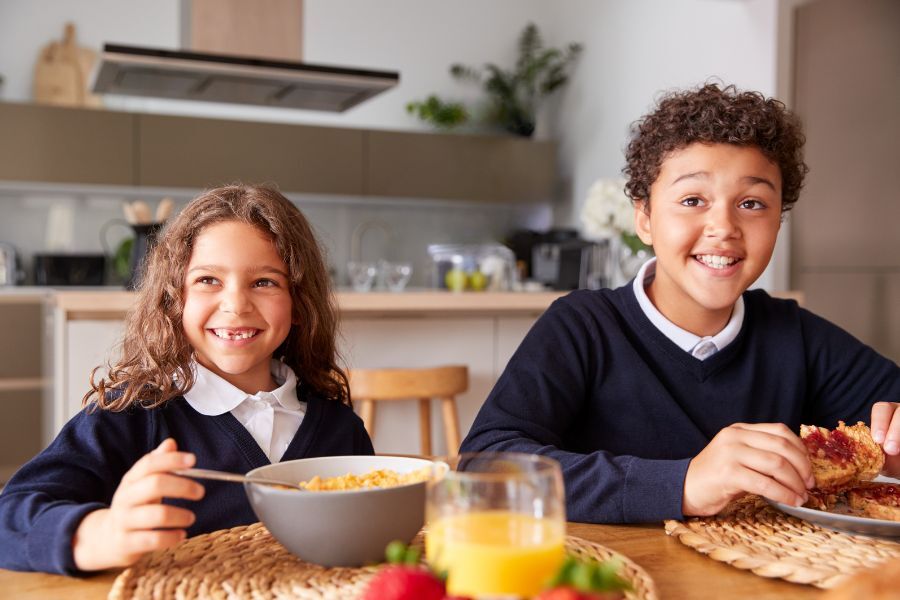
column 713, row 216
column 237, row 305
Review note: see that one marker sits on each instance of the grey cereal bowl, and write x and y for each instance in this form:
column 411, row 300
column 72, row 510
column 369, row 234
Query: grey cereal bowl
column 339, row 528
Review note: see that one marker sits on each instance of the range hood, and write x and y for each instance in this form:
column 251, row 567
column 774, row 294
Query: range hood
column 191, row 75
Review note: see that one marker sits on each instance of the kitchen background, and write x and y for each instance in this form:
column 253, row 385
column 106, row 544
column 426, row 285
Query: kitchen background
column 632, row 51
column 840, row 247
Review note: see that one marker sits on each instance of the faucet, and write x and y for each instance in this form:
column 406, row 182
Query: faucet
column 360, row 232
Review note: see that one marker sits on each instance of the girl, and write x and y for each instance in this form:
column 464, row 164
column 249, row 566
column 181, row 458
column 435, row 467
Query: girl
column 228, row 362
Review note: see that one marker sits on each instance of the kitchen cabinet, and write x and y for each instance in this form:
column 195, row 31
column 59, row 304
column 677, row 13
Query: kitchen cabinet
column 200, row 153
column 22, row 385
column 468, row 167
column 69, row 145
column 66, row 145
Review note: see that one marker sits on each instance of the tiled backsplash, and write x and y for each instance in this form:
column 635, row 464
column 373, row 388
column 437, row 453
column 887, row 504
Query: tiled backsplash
column 40, row 217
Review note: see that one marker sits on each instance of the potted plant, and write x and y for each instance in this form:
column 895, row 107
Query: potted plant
column 515, row 94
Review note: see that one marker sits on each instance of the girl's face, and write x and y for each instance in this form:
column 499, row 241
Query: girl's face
column 237, row 304
column 715, row 212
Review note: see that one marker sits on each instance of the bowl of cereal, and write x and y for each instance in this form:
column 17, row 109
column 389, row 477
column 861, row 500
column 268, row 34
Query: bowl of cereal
column 351, row 507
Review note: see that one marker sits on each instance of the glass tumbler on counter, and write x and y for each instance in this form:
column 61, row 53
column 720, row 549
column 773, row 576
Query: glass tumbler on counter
column 395, row 274
column 362, row 275
column 496, row 524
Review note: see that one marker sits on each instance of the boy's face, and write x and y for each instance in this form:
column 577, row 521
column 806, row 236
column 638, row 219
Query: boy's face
column 714, row 214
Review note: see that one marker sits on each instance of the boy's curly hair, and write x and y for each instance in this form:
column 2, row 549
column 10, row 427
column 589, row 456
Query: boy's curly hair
column 714, row 115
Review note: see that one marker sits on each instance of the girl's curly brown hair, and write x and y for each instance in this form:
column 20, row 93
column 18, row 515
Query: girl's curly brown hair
column 156, row 356
column 714, row 115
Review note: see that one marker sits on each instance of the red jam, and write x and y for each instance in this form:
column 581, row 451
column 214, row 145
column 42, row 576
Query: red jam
column 837, row 448
column 884, row 494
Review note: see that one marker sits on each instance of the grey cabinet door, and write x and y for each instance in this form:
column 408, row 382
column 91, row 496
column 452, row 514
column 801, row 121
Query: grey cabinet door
column 66, row 145
column 464, row 167
column 198, row 153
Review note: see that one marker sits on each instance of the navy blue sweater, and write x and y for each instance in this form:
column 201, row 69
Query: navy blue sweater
column 45, row 501
column 598, row 387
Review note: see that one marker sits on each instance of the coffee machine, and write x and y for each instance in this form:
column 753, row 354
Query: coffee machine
column 559, row 258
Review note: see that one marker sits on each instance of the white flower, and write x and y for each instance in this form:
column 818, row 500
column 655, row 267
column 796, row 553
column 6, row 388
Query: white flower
column 607, row 211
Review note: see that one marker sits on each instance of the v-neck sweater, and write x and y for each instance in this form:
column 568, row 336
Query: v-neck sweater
column 623, row 408
column 45, row 501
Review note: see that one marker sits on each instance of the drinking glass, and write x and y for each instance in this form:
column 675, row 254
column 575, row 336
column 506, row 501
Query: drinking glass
column 396, row 275
column 496, row 524
column 362, row 275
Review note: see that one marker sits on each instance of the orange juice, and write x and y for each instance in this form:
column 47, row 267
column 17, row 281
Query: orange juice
column 495, row 553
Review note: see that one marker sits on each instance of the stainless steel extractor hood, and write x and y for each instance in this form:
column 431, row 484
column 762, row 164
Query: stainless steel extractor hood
column 190, row 75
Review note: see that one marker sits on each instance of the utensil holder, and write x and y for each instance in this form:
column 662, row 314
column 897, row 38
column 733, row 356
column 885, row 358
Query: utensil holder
column 144, row 241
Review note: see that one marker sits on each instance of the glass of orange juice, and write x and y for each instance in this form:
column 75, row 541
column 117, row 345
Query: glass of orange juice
column 496, row 524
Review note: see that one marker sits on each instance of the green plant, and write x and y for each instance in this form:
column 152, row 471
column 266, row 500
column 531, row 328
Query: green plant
column 442, row 114
column 515, row 94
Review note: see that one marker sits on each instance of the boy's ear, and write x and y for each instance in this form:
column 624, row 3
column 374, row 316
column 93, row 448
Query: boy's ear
column 642, row 221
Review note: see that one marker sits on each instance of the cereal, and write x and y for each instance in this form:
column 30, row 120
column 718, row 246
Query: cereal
column 378, row 478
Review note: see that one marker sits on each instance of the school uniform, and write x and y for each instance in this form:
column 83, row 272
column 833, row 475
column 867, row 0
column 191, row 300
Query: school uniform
column 45, row 501
column 623, row 401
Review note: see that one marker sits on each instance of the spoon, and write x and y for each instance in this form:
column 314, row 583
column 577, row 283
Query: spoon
column 235, row 478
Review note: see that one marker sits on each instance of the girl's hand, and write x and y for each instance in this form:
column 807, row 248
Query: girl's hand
column 766, row 459
column 136, row 521
column 886, row 431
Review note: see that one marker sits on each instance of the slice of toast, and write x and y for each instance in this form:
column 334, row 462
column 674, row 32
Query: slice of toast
column 821, row 499
column 876, row 500
column 843, row 455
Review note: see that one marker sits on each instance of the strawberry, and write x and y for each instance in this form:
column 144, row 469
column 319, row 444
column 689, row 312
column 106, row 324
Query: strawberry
column 400, row 582
column 570, row 593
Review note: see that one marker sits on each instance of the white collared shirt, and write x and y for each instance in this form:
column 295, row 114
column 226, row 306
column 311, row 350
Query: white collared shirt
column 698, row 347
column 272, row 418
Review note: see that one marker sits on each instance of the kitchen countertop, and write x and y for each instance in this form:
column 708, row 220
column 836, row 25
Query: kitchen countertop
column 112, row 304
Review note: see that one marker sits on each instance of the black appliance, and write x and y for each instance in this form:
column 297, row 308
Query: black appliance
column 69, row 269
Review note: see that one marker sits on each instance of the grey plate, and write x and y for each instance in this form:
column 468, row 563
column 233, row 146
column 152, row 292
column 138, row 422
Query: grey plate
column 845, row 523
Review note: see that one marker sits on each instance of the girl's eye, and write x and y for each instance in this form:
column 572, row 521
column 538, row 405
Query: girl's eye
column 752, row 204
column 691, row 201
column 264, row 283
column 207, row 280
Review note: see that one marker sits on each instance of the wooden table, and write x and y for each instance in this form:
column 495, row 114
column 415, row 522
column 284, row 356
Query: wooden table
column 679, row 572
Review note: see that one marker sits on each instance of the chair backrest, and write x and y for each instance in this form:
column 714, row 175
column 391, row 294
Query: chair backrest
column 402, row 384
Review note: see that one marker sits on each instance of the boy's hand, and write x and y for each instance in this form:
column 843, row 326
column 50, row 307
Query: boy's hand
column 886, row 431
column 766, row 459
column 136, row 521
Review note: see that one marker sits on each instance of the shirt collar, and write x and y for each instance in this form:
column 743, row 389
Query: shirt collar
column 684, row 339
column 211, row 395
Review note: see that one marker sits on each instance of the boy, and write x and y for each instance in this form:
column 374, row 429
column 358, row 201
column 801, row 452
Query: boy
column 675, row 394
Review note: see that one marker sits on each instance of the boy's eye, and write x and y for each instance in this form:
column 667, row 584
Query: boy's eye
column 691, row 201
column 752, row 204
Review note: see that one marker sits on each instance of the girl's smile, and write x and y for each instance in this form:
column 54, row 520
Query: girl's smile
column 237, row 304
column 713, row 218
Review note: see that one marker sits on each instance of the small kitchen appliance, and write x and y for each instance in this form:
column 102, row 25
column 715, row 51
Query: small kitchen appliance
column 69, row 269
column 10, row 268
column 572, row 264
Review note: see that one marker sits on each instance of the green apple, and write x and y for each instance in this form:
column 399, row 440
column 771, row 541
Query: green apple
column 455, row 280
column 478, row 281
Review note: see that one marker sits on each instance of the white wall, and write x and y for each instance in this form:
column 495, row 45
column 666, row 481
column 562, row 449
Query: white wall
column 633, row 50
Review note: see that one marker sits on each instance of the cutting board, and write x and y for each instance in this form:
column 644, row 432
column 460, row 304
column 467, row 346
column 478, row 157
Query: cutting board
column 62, row 71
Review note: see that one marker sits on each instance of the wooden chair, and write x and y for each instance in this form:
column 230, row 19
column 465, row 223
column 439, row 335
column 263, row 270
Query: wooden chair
column 368, row 386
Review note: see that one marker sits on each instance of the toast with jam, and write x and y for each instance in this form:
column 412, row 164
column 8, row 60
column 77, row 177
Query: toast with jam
column 842, row 456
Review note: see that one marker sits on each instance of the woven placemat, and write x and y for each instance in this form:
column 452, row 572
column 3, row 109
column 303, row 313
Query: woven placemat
column 247, row 562
column 770, row 543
